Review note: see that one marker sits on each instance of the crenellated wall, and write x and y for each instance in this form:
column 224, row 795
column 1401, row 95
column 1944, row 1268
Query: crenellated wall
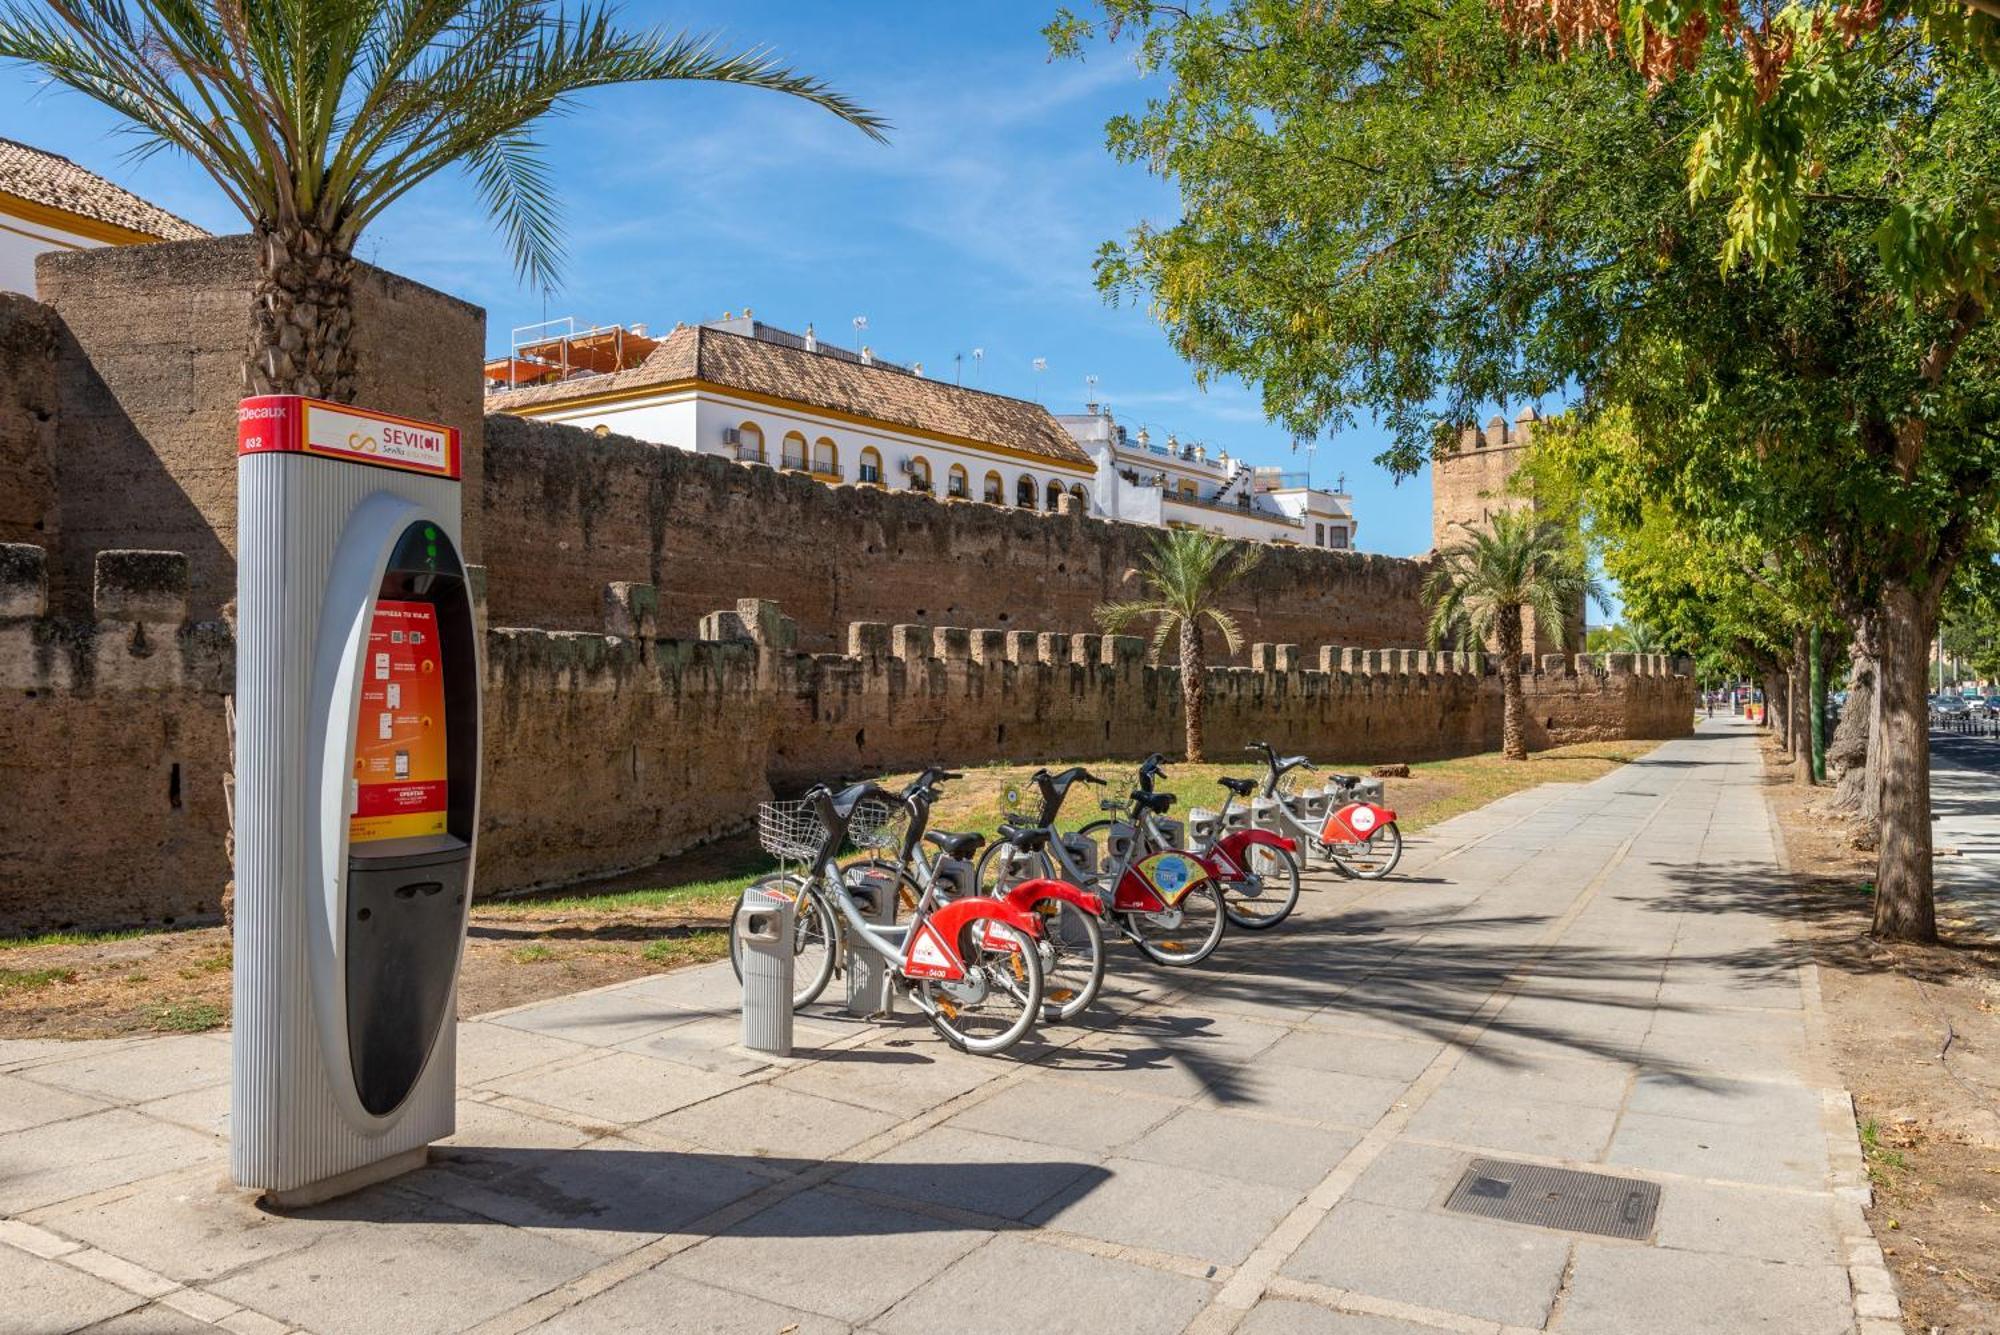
column 609, row 750
column 565, row 511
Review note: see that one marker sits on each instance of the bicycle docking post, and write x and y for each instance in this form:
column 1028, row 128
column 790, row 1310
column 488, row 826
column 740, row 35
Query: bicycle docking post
column 764, row 928
column 870, row 978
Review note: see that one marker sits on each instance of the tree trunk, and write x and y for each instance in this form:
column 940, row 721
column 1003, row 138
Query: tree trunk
column 1513, row 741
column 1847, row 754
column 301, row 316
column 1777, row 709
column 1904, row 907
column 1194, row 687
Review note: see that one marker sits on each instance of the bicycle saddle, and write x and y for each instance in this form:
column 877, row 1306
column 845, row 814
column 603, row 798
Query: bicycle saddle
column 959, row 846
column 1345, row 780
column 847, row 799
column 1240, row 787
column 1025, row 838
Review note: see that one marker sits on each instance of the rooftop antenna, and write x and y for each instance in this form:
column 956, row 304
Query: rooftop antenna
column 1090, row 388
column 1041, row 365
column 957, row 368
column 860, row 326
column 978, row 360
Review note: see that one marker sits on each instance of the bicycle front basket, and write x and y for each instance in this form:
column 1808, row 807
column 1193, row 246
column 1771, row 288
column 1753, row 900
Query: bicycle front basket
column 789, row 831
column 878, row 823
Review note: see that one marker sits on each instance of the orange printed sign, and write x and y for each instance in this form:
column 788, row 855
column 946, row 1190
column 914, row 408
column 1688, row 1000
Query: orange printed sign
column 399, row 752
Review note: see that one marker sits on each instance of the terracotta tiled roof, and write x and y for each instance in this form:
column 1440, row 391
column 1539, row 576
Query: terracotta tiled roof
column 811, row 380
column 54, row 181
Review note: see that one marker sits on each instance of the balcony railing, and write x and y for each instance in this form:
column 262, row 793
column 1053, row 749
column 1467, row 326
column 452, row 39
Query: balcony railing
column 1237, row 507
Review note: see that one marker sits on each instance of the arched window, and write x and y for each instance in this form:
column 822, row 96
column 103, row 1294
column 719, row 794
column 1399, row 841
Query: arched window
column 1055, row 495
column 792, row 454
column 871, row 464
column 958, row 482
column 750, row 442
column 1082, row 495
column 920, row 473
column 826, row 457
column 1024, row 492
column 996, row 490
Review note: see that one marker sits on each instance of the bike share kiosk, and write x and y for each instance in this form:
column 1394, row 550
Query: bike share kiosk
column 357, row 794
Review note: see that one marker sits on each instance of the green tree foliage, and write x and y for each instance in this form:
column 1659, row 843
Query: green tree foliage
column 1186, row 575
column 1391, row 208
column 1481, row 584
column 1777, row 80
column 313, row 116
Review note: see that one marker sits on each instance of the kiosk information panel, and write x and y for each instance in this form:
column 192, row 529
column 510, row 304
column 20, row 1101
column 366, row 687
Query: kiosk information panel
column 400, row 777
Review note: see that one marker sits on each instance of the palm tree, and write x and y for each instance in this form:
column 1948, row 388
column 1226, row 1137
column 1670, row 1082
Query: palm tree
column 313, row 116
column 1481, row 584
column 1186, row 574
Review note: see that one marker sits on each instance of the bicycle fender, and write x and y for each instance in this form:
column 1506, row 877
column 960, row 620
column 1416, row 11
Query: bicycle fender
column 1355, row 823
column 1028, row 893
column 1236, row 842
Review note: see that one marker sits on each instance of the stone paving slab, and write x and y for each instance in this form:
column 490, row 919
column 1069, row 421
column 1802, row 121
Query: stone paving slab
column 1592, row 975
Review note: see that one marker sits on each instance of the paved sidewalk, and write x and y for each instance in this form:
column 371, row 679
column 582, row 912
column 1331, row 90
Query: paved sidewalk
column 1583, row 975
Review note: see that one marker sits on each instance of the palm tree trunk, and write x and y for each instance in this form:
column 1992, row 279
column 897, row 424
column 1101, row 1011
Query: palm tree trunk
column 1904, row 907
column 1194, row 686
column 301, row 315
column 1513, row 743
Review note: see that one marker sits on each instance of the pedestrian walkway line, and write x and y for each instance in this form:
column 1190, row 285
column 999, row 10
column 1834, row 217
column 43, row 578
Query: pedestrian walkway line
column 1254, row 1277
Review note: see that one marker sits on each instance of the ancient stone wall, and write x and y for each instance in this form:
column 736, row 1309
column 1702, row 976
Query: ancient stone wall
column 27, row 421
column 148, row 372
column 608, row 750
column 566, row 512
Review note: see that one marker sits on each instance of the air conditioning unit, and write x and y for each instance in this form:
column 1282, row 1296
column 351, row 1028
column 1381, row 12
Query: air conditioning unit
column 904, row 466
column 732, row 435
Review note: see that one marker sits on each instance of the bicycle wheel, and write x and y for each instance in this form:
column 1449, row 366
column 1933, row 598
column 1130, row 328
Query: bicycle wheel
column 1372, row 858
column 814, row 945
column 998, row 1001
column 1276, row 877
column 1187, row 934
column 1072, row 951
column 1000, row 867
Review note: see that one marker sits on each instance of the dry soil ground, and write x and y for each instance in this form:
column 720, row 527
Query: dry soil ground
column 1915, row 1032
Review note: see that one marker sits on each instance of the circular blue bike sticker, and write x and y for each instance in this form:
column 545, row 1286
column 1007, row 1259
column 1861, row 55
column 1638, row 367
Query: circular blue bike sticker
column 1170, row 874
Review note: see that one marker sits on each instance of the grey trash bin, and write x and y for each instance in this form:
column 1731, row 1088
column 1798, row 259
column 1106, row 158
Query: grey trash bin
column 764, row 930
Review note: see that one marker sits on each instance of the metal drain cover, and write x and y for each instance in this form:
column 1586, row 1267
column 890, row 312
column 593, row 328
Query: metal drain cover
column 1526, row 1193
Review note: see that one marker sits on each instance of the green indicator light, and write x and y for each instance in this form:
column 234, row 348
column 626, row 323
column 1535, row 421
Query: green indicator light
column 430, row 534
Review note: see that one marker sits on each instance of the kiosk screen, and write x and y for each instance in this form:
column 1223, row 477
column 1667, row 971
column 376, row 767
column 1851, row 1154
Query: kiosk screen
column 400, row 760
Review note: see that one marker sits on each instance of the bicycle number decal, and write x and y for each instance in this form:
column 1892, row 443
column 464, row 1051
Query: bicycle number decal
column 929, row 957
column 1158, row 882
column 1363, row 820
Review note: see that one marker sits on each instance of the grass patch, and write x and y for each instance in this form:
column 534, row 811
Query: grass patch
column 693, row 948
column 208, row 965
column 72, row 938
column 719, row 893
column 188, row 1017
column 32, row 980
column 534, row 954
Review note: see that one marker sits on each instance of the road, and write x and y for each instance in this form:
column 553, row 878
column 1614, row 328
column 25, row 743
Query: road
column 1965, row 802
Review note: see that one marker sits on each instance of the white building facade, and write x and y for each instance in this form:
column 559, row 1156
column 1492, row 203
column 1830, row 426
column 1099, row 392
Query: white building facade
column 746, row 391
column 1144, row 482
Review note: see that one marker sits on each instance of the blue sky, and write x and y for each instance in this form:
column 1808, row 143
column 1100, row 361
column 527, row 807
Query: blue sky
column 974, row 228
